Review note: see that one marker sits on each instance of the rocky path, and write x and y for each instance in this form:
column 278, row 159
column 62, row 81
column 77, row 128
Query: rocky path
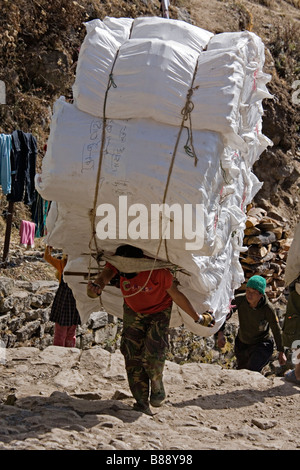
column 73, row 399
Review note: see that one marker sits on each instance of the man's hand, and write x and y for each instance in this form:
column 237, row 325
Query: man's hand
column 208, row 319
column 94, row 289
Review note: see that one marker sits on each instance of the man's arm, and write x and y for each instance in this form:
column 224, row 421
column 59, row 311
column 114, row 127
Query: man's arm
column 95, row 288
column 182, row 301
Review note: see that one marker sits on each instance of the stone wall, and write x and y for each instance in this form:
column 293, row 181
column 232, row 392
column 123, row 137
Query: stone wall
column 25, row 308
column 24, row 321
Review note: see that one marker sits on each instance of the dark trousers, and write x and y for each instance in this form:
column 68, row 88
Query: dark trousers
column 144, row 345
column 253, row 356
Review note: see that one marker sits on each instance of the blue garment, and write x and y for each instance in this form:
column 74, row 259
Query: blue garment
column 5, row 168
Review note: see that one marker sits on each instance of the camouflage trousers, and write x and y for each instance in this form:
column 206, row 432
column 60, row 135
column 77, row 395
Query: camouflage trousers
column 144, row 345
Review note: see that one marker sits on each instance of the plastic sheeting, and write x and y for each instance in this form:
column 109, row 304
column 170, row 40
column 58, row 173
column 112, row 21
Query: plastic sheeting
column 141, row 77
column 292, row 269
column 160, row 69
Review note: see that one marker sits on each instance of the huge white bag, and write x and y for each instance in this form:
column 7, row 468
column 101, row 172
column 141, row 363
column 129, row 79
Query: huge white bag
column 150, row 75
column 136, row 76
column 136, row 162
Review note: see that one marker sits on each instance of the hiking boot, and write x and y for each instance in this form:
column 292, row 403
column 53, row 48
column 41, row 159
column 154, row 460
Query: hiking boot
column 158, row 393
column 142, row 407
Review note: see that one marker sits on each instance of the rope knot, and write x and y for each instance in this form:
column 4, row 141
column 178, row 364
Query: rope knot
column 111, row 81
column 186, row 113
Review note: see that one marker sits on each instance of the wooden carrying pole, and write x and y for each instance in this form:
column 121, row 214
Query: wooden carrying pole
column 165, row 8
column 8, row 230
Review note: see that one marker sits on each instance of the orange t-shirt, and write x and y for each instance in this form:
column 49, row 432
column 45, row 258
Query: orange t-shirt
column 58, row 264
column 153, row 297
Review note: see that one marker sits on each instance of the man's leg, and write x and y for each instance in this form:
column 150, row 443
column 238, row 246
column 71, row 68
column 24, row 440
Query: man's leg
column 156, row 346
column 132, row 347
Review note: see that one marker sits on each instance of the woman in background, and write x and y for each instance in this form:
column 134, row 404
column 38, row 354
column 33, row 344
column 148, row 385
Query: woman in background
column 63, row 312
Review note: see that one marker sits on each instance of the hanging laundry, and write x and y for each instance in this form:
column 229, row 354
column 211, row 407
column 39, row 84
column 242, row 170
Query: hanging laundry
column 27, row 231
column 23, row 162
column 39, row 211
column 5, row 169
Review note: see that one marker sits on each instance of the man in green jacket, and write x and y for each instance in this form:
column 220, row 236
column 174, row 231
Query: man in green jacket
column 253, row 345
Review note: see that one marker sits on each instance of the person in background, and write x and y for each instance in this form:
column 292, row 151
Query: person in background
column 253, row 344
column 148, row 298
column 291, row 333
column 63, row 311
column 291, row 324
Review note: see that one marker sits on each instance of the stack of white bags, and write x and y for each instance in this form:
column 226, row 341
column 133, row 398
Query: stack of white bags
column 142, row 77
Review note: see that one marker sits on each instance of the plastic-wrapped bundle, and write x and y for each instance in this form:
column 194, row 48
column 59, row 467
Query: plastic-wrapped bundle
column 136, row 162
column 151, row 77
column 148, row 155
column 101, row 52
column 207, row 280
column 172, row 30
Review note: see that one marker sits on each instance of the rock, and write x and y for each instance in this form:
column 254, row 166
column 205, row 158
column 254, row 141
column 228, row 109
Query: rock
column 98, row 319
column 57, row 356
column 28, row 330
column 264, row 424
column 68, row 379
column 89, row 396
column 268, row 245
column 6, row 286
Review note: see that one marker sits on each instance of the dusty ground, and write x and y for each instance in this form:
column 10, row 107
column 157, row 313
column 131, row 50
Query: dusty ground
column 64, row 398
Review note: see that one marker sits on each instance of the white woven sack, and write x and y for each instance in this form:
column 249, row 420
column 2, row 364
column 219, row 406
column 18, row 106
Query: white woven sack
column 150, row 75
column 135, row 164
column 220, row 276
column 100, row 49
column 137, row 154
column 292, row 269
column 171, row 30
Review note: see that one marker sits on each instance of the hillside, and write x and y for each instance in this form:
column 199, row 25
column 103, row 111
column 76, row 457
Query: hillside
column 39, row 46
column 61, row 398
